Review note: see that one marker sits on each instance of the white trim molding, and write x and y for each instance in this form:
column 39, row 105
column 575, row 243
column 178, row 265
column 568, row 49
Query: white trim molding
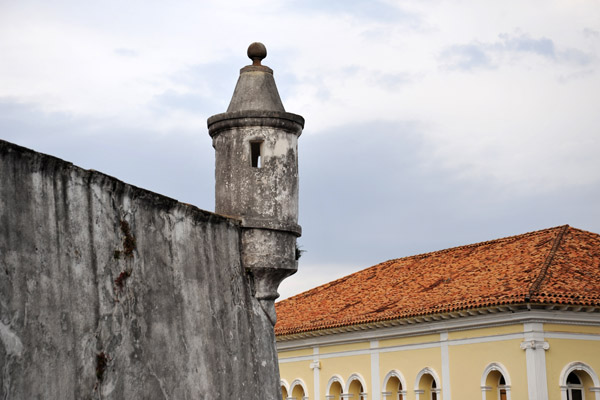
column 480, row 318
column 445, row 356
column 535, row 356
column 356, row 377
column 430, row 371
column 283, row 383
column 578, row 366
column 394, row 374
column 434, row 375
column 495, row 366
column 298, row 382
column 375, row 388
column 535, row 345
column 332, row 380
column 396, row 395
column 316, row 367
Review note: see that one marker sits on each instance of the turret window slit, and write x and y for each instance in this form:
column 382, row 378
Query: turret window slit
column 255, row 154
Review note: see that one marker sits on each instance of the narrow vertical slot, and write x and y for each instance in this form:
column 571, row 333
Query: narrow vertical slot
column 255, row 154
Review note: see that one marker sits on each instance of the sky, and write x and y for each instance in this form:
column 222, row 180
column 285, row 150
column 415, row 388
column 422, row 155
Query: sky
column 429, row 124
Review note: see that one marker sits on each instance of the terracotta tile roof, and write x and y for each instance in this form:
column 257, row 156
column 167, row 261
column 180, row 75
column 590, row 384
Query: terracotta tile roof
column 559, row 265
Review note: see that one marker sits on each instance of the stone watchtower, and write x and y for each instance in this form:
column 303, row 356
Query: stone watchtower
column 256, row 150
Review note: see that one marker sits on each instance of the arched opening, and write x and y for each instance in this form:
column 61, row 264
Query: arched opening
column 495, row 384
column 578, row 381
column 427, row 387
column 298, row 393
column 393, row 389
column 335, row 391
column 284, row 389
column 297, row 390
column 574, row 387
column 356, row 390
column 284, row 393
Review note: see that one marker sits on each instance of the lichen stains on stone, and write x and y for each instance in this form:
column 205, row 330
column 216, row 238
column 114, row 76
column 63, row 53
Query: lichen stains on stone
column 122, row 278
column 128, row 239
column 101, row 363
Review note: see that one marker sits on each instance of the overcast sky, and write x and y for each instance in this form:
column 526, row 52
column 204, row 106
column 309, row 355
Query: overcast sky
column 429, row 124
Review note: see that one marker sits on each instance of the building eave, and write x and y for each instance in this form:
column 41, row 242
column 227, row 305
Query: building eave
column 483, row 317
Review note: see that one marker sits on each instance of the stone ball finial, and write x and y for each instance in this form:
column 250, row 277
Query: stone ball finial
column 257, row 51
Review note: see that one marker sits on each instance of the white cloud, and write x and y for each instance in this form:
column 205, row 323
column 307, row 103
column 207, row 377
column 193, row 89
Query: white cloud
column 523, row 118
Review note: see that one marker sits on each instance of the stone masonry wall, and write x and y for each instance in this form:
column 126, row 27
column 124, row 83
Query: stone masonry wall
column 110, row 291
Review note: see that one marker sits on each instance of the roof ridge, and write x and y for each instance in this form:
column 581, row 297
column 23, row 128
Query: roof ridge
column 478, row 244
column 547, row 262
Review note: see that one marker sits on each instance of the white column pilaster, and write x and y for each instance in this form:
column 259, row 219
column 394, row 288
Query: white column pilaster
column 316, row 367
column 535, row 355
column 445, row 367
column 375, row 378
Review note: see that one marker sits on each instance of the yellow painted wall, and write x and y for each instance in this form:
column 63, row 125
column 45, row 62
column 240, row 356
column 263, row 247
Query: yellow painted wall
column 565, row 351
column 409, row 363
column 298, row 370
column 344, row 347
column 496, row 330
column 403, row 341
column 295, row 353
column 345, row 366
column 572, row 328
column 468, row 362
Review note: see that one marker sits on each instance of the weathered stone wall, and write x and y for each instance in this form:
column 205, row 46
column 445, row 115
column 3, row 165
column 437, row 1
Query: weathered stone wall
column 110, row 291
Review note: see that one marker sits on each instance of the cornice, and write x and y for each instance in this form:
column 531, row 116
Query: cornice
column 456, row 321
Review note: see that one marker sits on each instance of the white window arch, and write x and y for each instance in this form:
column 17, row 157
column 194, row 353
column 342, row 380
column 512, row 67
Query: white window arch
column 298, row 390
column 388, row 393
column 578, row 368
column 355, row 388
column 330, row 394
column 495, row 382
column 285, row 388
column 427, row 385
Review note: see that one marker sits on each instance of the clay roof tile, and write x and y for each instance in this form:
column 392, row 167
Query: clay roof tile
column 557, row 265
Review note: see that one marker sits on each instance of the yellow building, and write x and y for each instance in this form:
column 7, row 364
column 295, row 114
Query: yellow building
column 514, row 318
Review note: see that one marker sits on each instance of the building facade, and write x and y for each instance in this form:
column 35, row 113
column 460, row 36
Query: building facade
column 514, row 318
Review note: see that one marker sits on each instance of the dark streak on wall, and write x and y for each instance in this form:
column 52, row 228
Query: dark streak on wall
column 183, row 324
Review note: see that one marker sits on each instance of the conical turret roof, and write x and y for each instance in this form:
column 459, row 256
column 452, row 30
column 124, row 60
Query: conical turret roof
column 256, row 89
column 255, row 100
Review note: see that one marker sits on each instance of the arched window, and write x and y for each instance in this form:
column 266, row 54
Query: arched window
column 298, row 390
column 284, row 393
column 427, row 385
column 356, row 388
column 394, row 386
column 502, row 388
column 574, row 387
column 434, row 393
column 284, row 389
column 495, row 383
column 578, row 381
column 335, row 388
